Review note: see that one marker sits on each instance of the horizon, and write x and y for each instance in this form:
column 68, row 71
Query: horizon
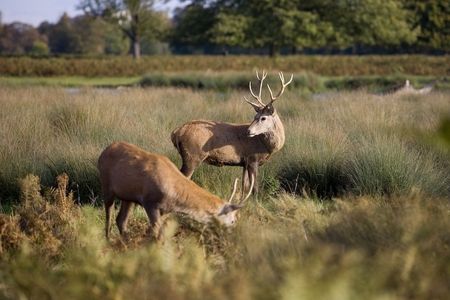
column 35, row 12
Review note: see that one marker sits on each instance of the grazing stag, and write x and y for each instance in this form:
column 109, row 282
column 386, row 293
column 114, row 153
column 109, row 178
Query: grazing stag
column 245, row 145
column 154, row 182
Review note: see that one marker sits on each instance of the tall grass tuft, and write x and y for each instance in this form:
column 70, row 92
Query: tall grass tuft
column 387, row 166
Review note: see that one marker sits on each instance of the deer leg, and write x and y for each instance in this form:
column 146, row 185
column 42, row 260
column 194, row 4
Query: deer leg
column 122, row 217
column 108, row 201
column 245, row 180
column 189, row 167
column 253, row 171
column 154, row 216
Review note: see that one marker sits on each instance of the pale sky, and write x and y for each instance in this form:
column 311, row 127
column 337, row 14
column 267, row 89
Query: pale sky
column 35, row 11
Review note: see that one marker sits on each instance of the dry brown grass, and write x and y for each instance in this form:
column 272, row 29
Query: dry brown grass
column 343, row 142
column 379, row 231
column 340, row 65
column 48, row 221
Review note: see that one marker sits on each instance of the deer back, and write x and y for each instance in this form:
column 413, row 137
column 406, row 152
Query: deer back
column 135, row 175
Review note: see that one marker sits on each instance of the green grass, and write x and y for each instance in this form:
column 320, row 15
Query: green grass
column 231, row 80
column 69, row 81
column 356, row 204
column 351, row 142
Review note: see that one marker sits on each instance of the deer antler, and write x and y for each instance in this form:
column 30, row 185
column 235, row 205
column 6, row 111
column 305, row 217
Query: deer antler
column 283, row 86
column 258, row 98
column 250, row 191
column 234, row 190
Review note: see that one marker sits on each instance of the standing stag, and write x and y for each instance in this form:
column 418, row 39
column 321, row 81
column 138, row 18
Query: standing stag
column 154, row 182
column 245, row 145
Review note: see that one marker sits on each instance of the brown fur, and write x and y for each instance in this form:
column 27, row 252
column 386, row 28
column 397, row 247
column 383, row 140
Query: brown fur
column 246, row 145
column 153, row 181
column 218, row 144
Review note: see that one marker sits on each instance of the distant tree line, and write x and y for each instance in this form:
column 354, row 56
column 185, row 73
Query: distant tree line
column 118, row 27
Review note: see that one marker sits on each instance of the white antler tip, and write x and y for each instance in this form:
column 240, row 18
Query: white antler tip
column 290, row 80
column 250, row 191
column 234, row 190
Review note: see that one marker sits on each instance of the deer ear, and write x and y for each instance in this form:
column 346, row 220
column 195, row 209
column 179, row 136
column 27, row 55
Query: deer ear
column 227, row 208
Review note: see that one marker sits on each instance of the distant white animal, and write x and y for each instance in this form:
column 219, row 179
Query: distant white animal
column 409, row 89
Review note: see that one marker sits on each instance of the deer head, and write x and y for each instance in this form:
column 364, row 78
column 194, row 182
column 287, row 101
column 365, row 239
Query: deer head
column 228, row 213
column 265, row 117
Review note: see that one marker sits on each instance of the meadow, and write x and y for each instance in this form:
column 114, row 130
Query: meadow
column 355, row 205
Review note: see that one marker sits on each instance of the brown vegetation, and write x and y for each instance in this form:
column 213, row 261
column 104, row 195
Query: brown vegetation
column 322, row 65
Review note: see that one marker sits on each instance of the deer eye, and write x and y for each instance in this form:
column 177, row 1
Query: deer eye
column 263, row 118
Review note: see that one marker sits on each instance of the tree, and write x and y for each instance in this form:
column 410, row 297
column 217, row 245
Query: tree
column 39, row 48
column 193, row 24
column 19, row 38
column 432, row 19
column 62, row 36
column 364, row 22
column 274, row 23
column 271, row 24
column 83, row 35
column 228, row 29
column 283, row 23
column 136, row 18
column 114, row 41
column 277, row 24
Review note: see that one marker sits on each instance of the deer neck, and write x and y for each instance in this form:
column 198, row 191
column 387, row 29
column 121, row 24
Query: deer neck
column 197, row 202
column 274, row 139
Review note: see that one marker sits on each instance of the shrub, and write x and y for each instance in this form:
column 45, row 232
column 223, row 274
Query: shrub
column 49, row 221
column 322, row 65
column 289, row 247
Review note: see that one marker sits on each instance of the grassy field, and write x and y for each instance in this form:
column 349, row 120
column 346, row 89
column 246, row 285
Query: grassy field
column 69, row 81
column 355, row 205
column 227, row 81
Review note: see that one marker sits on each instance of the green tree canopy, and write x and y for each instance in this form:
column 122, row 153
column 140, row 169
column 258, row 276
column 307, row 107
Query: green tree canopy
column 432, row 19
column 364, row 22
column 275, row 24
column 136, row 18
column 193, row 24
column 83, row 35
column 19, row 38
column 62, row 36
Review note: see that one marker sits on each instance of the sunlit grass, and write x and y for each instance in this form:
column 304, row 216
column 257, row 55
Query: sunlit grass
column 347, row 142
column 355, row 206
column 226, row 81
column 69, row 81
column 285, row 247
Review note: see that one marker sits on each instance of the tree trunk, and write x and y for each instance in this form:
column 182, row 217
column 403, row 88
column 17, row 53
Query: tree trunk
column 136, row 49
column 273, row 50
column 294, row 50
column 136, row 35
